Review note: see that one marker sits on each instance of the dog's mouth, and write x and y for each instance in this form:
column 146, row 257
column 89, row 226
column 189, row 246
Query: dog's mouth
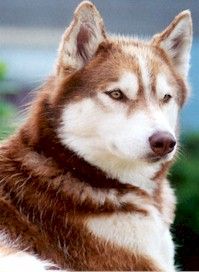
column 151, row 158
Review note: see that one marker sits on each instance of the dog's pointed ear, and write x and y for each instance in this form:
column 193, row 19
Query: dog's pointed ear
column 81, row 39
column 176, row 40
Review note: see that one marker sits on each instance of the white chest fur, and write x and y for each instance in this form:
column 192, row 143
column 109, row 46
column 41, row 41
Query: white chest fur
column 146, row 235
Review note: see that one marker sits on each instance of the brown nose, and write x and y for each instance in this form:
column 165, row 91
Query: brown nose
column 162, row 143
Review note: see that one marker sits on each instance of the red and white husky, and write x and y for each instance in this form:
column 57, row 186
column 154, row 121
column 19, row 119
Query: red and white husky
column 83, row 182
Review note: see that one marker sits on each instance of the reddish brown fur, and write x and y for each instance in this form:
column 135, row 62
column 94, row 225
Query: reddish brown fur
column 41, row 204
column 37, row 173
column 47, row 191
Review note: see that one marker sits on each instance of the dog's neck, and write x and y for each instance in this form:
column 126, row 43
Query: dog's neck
column 68, row 161
column 137, row 173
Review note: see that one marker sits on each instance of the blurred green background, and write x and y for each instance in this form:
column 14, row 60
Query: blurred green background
column 29, row 35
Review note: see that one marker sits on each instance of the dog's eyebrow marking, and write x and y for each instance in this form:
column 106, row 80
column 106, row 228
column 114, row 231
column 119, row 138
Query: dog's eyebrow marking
column 145, row 74
column 162, row 86
column 128, row 84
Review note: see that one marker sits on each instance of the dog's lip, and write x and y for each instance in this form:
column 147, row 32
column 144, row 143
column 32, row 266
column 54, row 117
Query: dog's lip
column 154, row 158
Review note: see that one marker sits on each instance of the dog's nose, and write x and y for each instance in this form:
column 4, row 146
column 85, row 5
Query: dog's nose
column 162, row 143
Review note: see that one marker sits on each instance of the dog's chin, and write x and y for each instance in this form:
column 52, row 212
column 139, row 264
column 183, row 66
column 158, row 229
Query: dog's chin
column 151, row 158
column 154, row 159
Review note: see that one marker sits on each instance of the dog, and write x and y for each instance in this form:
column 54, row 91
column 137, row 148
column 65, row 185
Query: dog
column 83, row 181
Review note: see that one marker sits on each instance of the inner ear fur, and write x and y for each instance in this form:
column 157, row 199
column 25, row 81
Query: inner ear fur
column 176, row 40
column 81, row 39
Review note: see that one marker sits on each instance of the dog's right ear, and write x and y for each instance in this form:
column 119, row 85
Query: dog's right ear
column 81, row 39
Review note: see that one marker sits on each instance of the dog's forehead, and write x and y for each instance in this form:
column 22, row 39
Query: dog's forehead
column 138, row 59
column 139, row 66
column 146, row 59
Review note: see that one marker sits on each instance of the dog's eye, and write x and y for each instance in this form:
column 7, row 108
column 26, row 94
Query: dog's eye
column 166, row 98
column 115, row 94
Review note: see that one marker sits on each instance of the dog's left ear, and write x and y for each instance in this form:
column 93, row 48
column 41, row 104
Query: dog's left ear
column 82, row 38
column 176, row 40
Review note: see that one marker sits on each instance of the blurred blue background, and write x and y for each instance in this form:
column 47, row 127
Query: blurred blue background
column 30, row 32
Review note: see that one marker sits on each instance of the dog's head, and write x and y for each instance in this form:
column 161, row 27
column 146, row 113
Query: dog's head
column 120, row 97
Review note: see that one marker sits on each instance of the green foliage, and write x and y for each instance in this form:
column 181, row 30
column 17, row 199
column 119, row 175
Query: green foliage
column 3, row 70
column 7, row 114
column 185, row 176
